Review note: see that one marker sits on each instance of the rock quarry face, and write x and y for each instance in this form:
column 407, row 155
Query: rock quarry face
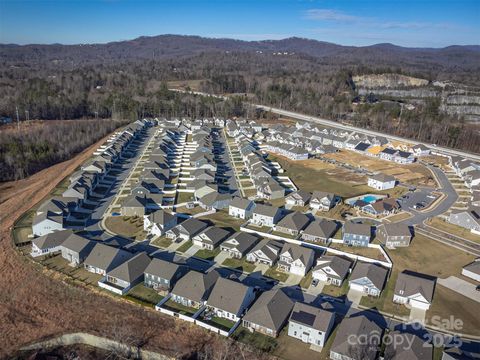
column 456, row 99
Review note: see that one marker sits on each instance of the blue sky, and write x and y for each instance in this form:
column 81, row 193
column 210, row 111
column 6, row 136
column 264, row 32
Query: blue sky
column 417, row 23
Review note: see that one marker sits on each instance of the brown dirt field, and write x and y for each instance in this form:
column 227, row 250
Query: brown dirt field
column 34, row 306
column 411, row 173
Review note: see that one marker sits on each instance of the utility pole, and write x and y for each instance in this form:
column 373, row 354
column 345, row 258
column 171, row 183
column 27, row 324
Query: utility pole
column 27, row 115
column 18, row 118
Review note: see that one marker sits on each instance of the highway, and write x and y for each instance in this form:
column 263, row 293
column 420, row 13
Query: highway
column 334, row 124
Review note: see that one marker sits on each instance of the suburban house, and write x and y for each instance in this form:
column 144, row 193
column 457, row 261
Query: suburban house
column 388, row 154
column 319, row 231
column 159, row 222
column 292, row 223
column 187, row 229
column 298, row 198
column 310, row 324
column 394, row 235
column 381, row 181
column 266, row 252
column 368, row 278
column 407, row 346
column 104, row 258
column 270, row 190
column 241, row 208
column 264, row 215
column 133, row 206
column 229, row 299
column 215, row 200
column 194, row 288
column 49, row 243
column 323, row 201
column 239, row 244
column 414, row 289
column 125, row 276
column 75, row 249
column 355, row 234
column 332, row 269
column 472, row 270
column 467, row 219
column 296, row 259
column 162, row 275
column 47, row 222
column 210, row 238
column 420, row 150
column 269, row 314
column 346, row 347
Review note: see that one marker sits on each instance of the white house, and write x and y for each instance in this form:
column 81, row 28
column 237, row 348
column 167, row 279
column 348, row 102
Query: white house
column 230, row 299
column 381, row 182
column 415, row 290
column 241, row 208
column 264, row 215
column 368, row 278
column 472, row 270
column 310, row 324
column 159, row 222
column 296, row 259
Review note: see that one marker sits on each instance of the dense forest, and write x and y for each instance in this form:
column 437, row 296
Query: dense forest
column 30, row 149
column 130, row 79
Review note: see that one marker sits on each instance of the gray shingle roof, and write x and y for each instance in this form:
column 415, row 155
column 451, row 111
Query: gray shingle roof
column 322, row 228
column 102, row 256
column 266, row 210
column 131, row 269
column 410, row 283
column 240, row 203
column 295, row 221
column 228, row 295
column 53, row 239
column 270, row 310
column 311, row 316
column 163, row 269
column 195, row 285
column 375, row 273
column 358, row 325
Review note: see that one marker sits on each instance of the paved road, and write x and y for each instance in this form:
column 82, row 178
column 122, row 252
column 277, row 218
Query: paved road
column 450, row 198
column 461, row 286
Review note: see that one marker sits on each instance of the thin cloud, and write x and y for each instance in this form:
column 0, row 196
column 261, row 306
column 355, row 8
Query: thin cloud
column 330, row 15
column 337, row 16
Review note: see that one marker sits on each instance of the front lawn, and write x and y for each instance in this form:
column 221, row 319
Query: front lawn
column 184, row 247
column 276, row 274
column 239, row 264
column 306, row 280
column 207, row 254
column 336, row 291
column 162, row 242
column 126, row 226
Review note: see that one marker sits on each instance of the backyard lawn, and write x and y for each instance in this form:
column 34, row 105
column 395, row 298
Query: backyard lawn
column 262, row 342
column 276, row 274
column 174, row 306
column 239, row 264
column 144, row 295
column 222, row 219
column 207, row 254
column 184, row 197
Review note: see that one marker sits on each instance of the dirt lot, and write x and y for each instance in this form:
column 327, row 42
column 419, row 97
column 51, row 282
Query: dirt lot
column 415, row 174
column 34, row 306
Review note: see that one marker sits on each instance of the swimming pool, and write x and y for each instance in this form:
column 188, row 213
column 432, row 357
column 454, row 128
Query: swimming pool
column 370, row 199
